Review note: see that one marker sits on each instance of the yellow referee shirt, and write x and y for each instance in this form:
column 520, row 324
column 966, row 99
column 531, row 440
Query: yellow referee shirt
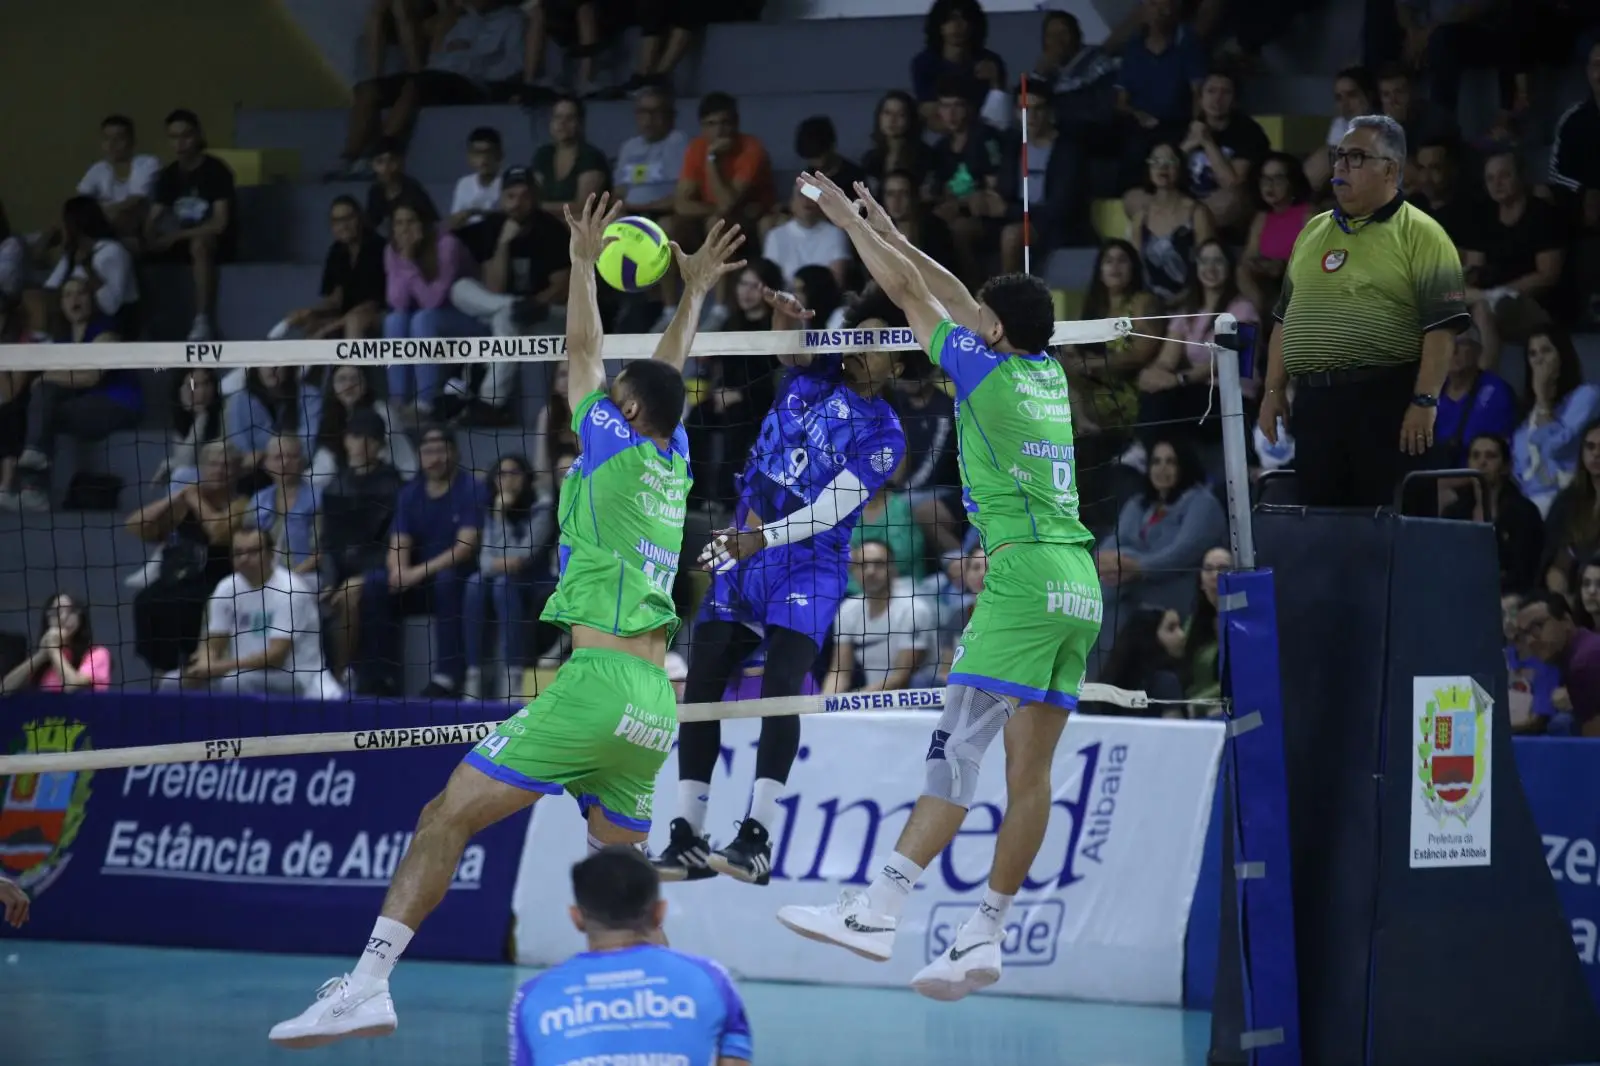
column 1363, row 293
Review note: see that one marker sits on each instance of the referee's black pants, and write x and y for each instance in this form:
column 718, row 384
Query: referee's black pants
column 1346, row 429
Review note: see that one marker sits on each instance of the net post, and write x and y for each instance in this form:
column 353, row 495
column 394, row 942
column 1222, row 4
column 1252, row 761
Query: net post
column 1235, row 465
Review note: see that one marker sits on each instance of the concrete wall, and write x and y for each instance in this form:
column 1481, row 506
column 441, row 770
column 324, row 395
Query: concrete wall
column 68, row 63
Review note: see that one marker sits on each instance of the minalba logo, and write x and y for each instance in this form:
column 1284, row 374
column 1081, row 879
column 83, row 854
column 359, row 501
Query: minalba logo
column 644, row 1009
column 40, row 814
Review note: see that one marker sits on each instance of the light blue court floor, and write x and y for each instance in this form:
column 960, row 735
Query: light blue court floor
column 92, row 1005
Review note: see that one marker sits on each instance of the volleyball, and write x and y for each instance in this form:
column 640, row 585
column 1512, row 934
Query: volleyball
column 638, row 257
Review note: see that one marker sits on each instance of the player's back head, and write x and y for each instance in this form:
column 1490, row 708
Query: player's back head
column 872, row 309
column 1018, row 314
column 650, row 394
column 616, row 890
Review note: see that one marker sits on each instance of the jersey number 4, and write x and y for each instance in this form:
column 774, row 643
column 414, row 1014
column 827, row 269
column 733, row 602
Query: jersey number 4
column 659, row 576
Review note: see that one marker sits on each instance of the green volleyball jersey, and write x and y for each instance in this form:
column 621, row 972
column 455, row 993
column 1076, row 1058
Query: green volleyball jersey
column 1014, row 438
column 621, row 512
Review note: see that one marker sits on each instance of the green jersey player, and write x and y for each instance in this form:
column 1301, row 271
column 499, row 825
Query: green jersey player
column 603, row 728
column 1019, row 667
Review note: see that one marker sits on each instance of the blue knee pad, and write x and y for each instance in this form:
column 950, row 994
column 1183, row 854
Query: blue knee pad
column 971, row 719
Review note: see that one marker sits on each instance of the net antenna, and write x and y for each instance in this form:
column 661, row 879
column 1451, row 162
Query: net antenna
column 228, row 355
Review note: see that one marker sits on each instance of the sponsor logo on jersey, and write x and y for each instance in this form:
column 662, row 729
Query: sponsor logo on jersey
column 883, row 460
column 1073, row 599
column 1019, row 475
column 644, row 1009
column 661, row 510
column 604, row 420
column 1039, row 411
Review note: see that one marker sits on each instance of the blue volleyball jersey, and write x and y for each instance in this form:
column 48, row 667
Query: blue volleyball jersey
column 644, row 1005
column 817, row 427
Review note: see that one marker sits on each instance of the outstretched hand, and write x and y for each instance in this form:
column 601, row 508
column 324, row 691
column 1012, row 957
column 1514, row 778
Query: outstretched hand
column 836, row 207
column 589, row 228
column 787, row 310
column 876, row 216
column 729, row 546
column 13, row 904
column 702, row 270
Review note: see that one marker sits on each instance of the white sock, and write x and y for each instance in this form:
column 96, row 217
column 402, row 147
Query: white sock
column 892, row 887
column 991, row 917
column 692, row 799
column 389, row 938
column 764, row 802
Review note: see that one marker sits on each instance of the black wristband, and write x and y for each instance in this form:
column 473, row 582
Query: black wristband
column 1423, row 399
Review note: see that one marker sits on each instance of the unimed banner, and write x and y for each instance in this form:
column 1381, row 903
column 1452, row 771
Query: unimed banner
column 278, row 854
column 1102, row 915
column 1561, row 778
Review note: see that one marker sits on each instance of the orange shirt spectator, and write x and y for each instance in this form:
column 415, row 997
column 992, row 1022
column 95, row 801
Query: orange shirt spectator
column 743, row 187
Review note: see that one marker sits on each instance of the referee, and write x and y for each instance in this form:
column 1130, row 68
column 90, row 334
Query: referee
column 1372, row 300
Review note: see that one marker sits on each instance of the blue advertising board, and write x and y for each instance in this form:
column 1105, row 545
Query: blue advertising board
column 266, row 854
column 1561, row 777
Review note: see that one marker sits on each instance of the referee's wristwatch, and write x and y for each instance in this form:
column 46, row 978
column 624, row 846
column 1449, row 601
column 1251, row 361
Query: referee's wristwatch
column 1424, row 399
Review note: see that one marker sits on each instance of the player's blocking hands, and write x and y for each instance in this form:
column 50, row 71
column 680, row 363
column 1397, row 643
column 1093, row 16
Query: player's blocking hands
column 702, row 270
column 15, row 902
column 835, row 205
column 873, row 211
column 787, row 310
column 728, row 546
column 589, row 227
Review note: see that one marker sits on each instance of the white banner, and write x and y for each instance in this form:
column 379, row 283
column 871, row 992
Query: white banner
column 1102, row 915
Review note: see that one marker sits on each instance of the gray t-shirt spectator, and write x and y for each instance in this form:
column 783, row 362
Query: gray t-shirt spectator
column 649, row 169
column 503, row 540
column 483, row 48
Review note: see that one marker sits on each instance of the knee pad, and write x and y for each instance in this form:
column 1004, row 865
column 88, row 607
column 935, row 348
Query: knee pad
column 971, row 719
column 598, row 845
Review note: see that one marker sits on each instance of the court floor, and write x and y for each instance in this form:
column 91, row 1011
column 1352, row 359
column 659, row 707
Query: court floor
column 94, row 1005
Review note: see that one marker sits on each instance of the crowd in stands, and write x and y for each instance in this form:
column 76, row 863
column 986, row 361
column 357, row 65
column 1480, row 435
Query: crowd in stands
column 347, row 492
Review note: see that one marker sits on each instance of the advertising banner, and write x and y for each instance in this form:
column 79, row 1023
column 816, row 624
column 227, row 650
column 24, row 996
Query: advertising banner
column 1103, row 914
column 1559, row 777
column 276, row 854
column 1451, row 809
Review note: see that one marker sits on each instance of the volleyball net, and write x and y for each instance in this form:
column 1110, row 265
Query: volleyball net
column 219, row 518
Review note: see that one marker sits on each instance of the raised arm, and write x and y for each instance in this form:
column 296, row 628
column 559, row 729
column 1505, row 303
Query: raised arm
column 948, row 289
column 701, row 272
column 900, row 280
column 586, row 369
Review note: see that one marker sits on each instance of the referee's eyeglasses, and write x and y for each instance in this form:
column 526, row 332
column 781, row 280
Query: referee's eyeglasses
column 1353, row 158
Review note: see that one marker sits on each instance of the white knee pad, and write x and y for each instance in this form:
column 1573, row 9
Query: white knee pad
column 596, row 845
column 972, row 718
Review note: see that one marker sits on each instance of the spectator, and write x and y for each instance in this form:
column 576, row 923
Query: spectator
column 954, row 61
column 291, row 510
column 1447, row 37
column 476, row 49
column 1202, row 639
column 91, row 251
column 1283, row 203
column 1046, row 175
column 806, row 239
column 1514, row 252
column 1545, row 621
column 263, row 631
column 887, row 518
column 964, row 185
column 553, row 437
column 929, row 477
column 350, row 394
column 924, row 229
column 13, row 405
column 195, row 527
column 196, row 422
column 666, row 29
column 1575, row 156
column 881, row 636
column 392, row 186
column 1161, row 536
column 1146, row 656
column 1416, row 116
column 581, row 28
column 569, row 169
column 477, row 193
column 897, row 143
column 1572, row 530
column 431, row 548
column 1104, row 398
column 1221, row 147
column 1157, row 85
column 1438, row 168
column 66, row 658
column 726, row 175
column 406, row 23
column 192, row 220
column 274, row 400
column 122, row 182
column 1518, row 526
column 357, row 510
column 13, row 260
column 1169, row 226
column 422, row 264
column 817, row 143
column 514, row 529
column 1082, row 78
column 353, row 283
column 1532, row 682
column 88, row 405
column 1587, row 607
column 1179, row 384
column 957, row 594
column 648, row 164
column 1355, row 93
column 1473, row 403
column 1556, row 408
column 817, row 289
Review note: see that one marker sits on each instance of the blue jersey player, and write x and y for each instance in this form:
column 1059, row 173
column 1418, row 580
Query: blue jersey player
column 829, row 443
column 628, row 998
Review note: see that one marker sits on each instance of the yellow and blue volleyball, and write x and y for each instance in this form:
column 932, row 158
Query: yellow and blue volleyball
column 639, row 256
